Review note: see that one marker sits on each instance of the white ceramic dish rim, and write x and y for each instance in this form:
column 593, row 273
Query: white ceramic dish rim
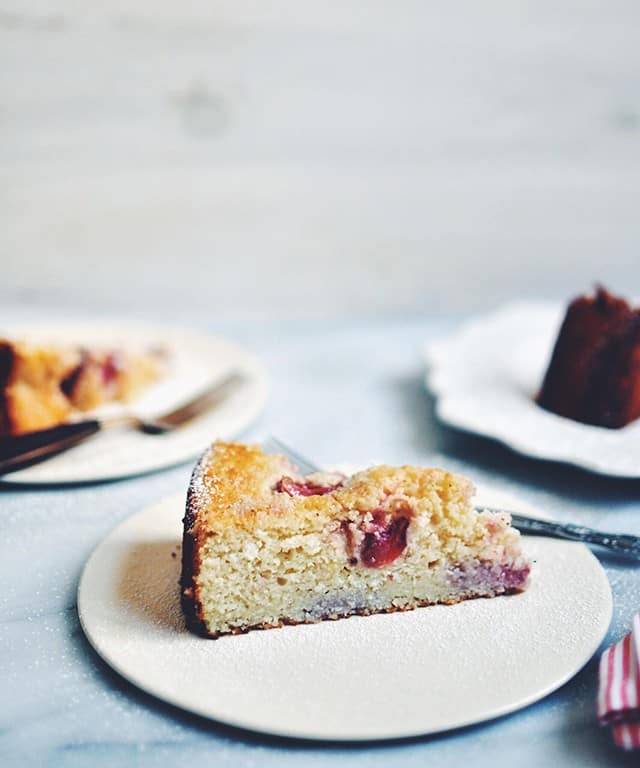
column 165, row 451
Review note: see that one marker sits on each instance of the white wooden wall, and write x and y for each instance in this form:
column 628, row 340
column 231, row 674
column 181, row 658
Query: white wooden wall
column 310, row 159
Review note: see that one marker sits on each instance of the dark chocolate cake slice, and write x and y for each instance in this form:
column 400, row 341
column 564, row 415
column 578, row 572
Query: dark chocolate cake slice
column 594, row 373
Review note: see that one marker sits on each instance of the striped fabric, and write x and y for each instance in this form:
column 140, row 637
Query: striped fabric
column 619, row 689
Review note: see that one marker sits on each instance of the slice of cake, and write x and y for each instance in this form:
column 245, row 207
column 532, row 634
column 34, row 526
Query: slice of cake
column 44, row 385
column 264, row 546
column 594, row 372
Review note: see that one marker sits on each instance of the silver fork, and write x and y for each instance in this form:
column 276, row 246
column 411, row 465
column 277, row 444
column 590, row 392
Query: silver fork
column 620, row 543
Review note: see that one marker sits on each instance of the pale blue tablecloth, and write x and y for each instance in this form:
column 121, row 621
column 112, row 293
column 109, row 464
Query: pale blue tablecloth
column 342, row 392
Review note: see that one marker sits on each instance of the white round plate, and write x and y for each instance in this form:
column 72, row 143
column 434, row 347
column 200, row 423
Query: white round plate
column 197, row 360
column 485, row 378
column 376, row 677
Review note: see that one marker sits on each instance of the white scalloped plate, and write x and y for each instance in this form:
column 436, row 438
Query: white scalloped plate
column 485, row 378
column 376, row 677
column 196, row 360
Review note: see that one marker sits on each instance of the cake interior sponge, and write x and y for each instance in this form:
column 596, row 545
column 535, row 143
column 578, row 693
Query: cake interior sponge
column 264, row 546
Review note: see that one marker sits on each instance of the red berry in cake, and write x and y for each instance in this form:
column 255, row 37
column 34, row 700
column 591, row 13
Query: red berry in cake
column 304, row 488
column 384, row 540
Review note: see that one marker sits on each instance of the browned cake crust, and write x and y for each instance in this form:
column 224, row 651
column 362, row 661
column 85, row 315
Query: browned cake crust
column 594, row 372
column 191, row 607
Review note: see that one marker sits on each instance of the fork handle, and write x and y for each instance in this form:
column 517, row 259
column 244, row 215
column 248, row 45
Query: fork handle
column 621, row 543
column 20, row 451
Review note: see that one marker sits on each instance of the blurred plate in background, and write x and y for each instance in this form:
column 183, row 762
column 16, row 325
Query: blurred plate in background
column 196, row 361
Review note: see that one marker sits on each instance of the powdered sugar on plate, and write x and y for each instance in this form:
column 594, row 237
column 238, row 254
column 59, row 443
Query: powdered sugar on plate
column 376, row 677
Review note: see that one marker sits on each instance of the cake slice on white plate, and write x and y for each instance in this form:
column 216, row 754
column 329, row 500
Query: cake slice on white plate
column 264, row 546
column 42, row 385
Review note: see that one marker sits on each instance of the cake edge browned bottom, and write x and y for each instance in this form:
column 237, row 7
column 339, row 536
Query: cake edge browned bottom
column 191, row 606
column 196, row 623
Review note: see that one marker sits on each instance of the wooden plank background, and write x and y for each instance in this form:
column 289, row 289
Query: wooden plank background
column 298, row 159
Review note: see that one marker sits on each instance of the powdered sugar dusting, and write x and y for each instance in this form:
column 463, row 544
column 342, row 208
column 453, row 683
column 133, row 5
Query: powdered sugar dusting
column 197, row 490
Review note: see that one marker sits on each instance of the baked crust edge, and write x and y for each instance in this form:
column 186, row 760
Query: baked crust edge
column 204, row 632
column 191, row 605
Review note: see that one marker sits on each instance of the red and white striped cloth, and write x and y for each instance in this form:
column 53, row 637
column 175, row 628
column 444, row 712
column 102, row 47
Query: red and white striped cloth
column 619, row 688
